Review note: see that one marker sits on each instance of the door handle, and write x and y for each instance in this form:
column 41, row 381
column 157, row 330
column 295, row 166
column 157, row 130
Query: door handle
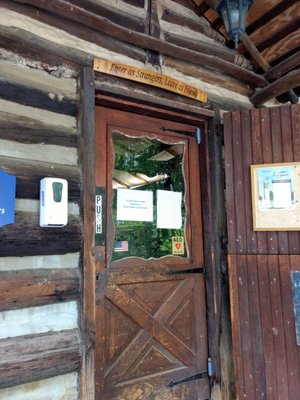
column 199, row 270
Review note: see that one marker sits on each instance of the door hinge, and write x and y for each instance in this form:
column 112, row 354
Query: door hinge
column 200, row 375
column 196, row 133
column 200, row 270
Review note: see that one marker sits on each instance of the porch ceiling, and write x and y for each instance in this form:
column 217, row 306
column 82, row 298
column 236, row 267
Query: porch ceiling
column 271, row 42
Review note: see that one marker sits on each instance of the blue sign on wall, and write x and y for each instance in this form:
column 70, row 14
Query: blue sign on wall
column 7, row 198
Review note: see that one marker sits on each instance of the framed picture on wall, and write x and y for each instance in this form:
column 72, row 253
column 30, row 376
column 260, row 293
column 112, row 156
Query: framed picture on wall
column 276, row 196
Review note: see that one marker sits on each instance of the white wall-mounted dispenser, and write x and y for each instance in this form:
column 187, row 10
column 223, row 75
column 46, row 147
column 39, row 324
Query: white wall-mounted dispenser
column 53, row 202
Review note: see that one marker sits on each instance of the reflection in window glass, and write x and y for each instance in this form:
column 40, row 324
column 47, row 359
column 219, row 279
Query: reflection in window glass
column 146, row 170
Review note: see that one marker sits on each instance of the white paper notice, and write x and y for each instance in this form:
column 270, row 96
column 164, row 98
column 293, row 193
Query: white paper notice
column 169, row 209
column 134, row 205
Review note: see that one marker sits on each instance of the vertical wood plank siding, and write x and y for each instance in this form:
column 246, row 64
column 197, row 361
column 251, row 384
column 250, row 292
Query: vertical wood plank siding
column 266, row 356
column 257, row 137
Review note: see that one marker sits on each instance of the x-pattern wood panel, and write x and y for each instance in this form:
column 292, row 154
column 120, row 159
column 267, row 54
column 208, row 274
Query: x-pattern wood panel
column 154, row 330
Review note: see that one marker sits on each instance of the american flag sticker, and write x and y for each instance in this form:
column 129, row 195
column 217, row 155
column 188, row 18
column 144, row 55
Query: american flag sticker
column 121, row 246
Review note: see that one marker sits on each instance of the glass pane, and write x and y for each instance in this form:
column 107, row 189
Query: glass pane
column 148, row 206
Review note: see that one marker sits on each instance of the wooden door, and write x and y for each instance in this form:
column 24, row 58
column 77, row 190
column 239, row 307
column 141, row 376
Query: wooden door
column 150, row 320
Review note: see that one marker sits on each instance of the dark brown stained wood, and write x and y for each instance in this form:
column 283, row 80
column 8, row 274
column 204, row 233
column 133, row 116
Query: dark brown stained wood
column 269, row 15
column 87, row 160
column 235, row 318
column 260, row 288
column 285, row 265
column 29, row 288
column 29, row 175
column 36, row 98
column 270, row 135
column 278, row 328
column 29, row 358
column 198, row 26
column 229, row 175
column 255, row 54
column 278, row 140
column 251, row 243
column 117, row 16
column 25, row 237
column 63, row 9
column 239, row 183
column 267, row 158
column 283, row 67
column 266, row 326
column 274, row 89
column 116, row 88
column 27, row 130
column 147, row 329
column 245, row 326
column 257, row 158
column 256, row 331
column 75, row 28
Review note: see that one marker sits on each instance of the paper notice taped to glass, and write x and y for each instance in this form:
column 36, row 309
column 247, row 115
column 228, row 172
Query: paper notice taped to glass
column 134, row 205
column 169, row 214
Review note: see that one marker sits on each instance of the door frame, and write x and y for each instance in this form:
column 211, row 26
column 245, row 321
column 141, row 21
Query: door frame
column 213, row 210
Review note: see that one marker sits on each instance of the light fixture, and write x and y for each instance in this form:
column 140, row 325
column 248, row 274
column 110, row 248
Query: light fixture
column 234, row 15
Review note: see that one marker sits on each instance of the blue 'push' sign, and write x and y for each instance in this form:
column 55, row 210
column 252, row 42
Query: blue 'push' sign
column 7, row 198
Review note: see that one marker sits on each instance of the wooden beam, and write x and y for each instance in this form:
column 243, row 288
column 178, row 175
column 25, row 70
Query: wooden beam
column 29, row 288
column 36, row 98
column 263, row 64
column 282, row 85
column 171, row 16
column 87, row 162
column 63, row 9
column 117, row 16
column 28, row 130
column 285, row 45
column 282, row 68
column 29, row 175
column 201, row 47
column 26, row 238
column 269, row 15
column 74, row 27
column 29, row 358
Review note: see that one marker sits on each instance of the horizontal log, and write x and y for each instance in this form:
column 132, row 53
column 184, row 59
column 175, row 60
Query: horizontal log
column 30, row 173
column 29, row 288
column 25, row 237
column 36, row 98
column 28, row 130
column 34, row 357
column 117, row 16
column 284, row 67
column 201, row 26
column 74, row 27
column 33, row 47
column 116, row 87
column 274, row 89
column 63, row 9
column 201, row 47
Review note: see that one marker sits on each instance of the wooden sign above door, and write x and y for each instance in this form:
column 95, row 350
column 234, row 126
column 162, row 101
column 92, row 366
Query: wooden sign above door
column 149, row 78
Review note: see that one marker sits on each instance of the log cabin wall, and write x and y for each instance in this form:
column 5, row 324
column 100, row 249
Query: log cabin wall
column 44, row 49
column 266, row 355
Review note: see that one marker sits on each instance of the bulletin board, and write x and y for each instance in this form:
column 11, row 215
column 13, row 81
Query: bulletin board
column 276, row 196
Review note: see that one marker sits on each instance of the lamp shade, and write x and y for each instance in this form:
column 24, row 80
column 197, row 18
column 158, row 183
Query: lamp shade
column 234, row 15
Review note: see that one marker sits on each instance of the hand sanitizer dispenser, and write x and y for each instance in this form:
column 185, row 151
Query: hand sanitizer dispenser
column 53, row 202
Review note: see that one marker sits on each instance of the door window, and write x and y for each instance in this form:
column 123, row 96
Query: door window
column 148, row 207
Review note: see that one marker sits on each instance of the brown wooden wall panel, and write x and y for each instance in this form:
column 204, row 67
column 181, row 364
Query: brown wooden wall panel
column 266, row 355
column 268, row 135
